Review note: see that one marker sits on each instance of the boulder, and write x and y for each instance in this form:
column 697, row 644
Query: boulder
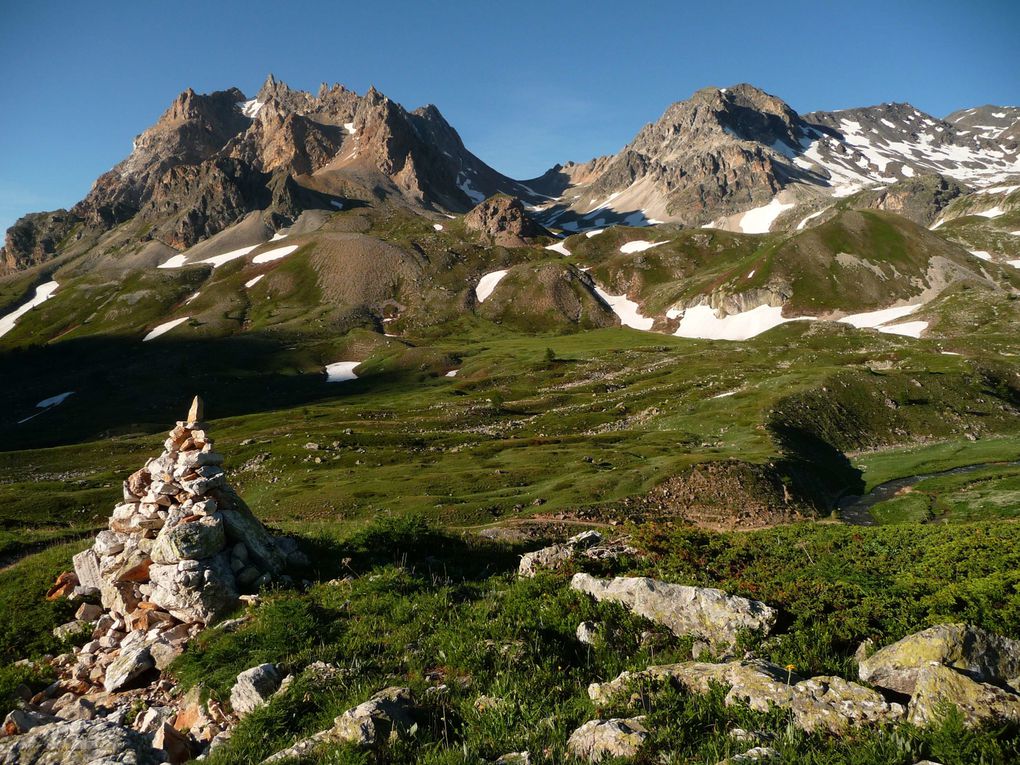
column 23, row 720
column 201, row 593
column 703, row 612
column 981, row 655
column 384, row 716
column 555, row 556
column 937, row 686
column 819, row 703
column 72, row 628
column 253, row 688
column 131, row 663
column 199, row 539
column 601, row 739
column 80, row 742
column 175, row 744
column 586, row 632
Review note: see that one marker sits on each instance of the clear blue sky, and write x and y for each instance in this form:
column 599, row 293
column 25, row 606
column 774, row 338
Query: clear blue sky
column 527, row 84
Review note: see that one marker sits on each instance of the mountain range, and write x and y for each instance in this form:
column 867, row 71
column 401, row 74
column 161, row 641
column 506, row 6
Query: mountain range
column 351, row 226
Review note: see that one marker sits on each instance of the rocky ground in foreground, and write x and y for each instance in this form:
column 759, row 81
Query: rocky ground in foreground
column 161, row 629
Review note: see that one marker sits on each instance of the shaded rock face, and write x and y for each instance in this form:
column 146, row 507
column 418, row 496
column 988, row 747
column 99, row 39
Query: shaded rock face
column 704, row 612
column 818, row 704
column 919, row 199
column 80, row 742
column 983, row 656
column 503, row 221
column 33, row 239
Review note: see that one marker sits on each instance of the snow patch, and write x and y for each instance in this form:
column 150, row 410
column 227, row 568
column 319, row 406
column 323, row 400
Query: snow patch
column 593, row 232
column 42, row 293
column 251, row 108
column 875, row 319
column 760, row 219
column 60, row 398
column 437, row 226
column 638, row 245
column 252, row 282
column 218, row 260
column 337, row 204
column 175, row 262
column 701, row 322
column 276, row 254
column 163, row 328
column 628, row 310
column 349, row 127
column 341, row 371
column 812, row 216
column 983, row 254
column 558, row 247
column 487, row 284
column 452, row 373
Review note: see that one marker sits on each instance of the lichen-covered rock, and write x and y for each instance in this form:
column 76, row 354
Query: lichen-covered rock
column 201, row 538
column 703, row 612
column 597, row 740
column 937, row 686
column 253, row 688
column 981, row 655
column 819, row 703
column 80, row 742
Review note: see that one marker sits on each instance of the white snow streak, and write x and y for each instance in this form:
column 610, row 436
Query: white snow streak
column 42, row 293
column 162, row 329
column 487, row 284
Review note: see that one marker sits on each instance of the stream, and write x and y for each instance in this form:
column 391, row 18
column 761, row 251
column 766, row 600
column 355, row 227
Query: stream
column 857, row 510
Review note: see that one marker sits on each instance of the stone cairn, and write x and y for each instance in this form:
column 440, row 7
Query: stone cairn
column 182, row 550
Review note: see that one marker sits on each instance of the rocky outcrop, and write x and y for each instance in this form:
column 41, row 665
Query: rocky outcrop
column 981, row 655
column 501, row 220
column 34, row 239
column 80, row 742
column 597, row 740
column 920, row 199
column 819, row 703
column 703, row 612
column 387, row 715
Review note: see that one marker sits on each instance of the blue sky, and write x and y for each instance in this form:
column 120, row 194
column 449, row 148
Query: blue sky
column 526, row 84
